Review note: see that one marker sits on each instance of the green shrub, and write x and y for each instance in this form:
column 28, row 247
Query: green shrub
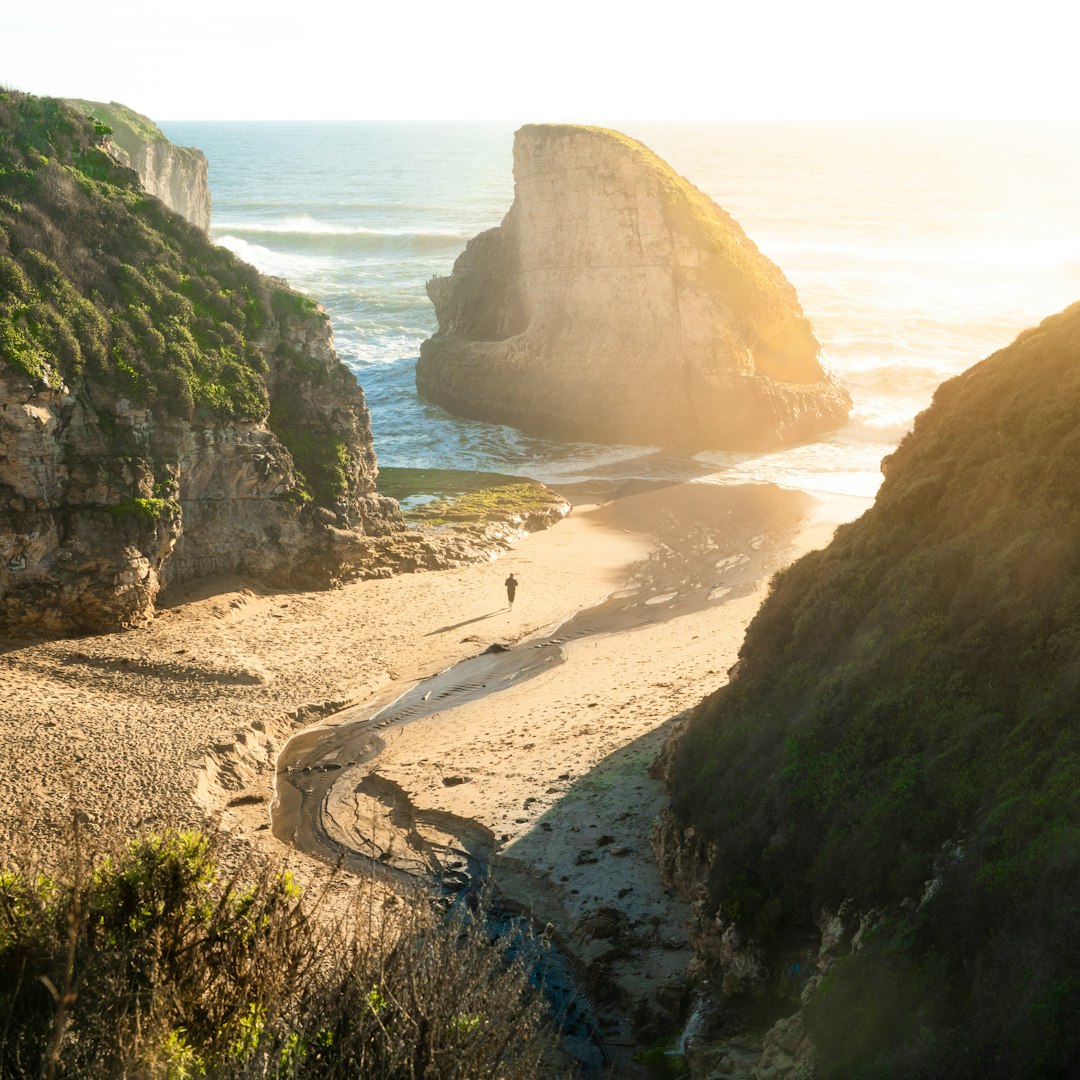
column 100, row 282
column 905, row 712
column 151, row 960
column 113, row 284
column 664, row 1062
column 145, row 510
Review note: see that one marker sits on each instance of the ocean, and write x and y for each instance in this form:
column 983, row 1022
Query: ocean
column 915, row 253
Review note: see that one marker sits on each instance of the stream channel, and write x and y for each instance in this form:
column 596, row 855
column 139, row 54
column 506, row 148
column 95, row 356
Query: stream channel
column 317, row 758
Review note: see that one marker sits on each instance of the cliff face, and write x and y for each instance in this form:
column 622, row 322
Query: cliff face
column 165, row 411
column 616, row 302
column 177, row 175
column 894, row 773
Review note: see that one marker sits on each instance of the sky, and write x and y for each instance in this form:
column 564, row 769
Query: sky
column 585, row 61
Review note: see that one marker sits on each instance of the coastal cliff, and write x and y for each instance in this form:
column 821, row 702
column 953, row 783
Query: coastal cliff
column 876, row 820
column 177, row 175
column 166, row 412
column 616, row 302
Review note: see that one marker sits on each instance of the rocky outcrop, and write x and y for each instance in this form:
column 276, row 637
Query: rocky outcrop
column 177, row 175
column 618, row 303
column 105, row 503
column 166, row 412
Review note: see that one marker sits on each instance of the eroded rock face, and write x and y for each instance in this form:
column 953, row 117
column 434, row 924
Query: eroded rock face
column 618, row 303
column 166, row 412
column 104, row 503
column 177, row 175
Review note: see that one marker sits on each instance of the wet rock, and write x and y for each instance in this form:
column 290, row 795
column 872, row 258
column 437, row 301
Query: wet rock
column 673, row 994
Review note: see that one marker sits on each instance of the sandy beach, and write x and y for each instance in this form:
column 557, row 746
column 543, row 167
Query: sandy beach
column 183, row 721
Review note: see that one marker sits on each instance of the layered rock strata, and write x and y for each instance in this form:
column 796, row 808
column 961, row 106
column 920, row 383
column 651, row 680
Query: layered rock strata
column 105, row 503
column 165, row 411
column 177, row 175
column 616, row 302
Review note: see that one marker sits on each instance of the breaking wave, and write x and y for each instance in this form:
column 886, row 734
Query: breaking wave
column 308, row 236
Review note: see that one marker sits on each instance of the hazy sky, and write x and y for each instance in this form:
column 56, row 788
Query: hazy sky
column 571, row 60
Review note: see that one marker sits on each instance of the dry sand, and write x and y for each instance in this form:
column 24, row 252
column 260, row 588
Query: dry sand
column 181, row 722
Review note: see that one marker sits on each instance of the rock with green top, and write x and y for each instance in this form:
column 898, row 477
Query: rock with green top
column 166, row 412
column 618, row 303
column 177, row 175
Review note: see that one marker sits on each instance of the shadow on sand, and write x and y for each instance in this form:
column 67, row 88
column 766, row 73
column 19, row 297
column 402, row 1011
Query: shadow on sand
column 465, row 622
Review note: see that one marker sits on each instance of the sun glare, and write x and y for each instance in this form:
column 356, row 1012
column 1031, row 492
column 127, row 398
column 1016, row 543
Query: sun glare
column 594, row 62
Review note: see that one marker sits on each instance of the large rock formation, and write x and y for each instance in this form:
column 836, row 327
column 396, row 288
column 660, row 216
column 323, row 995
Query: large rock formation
column 878, row 817
column 165, row 411
column 177, row 175
column 618, row 303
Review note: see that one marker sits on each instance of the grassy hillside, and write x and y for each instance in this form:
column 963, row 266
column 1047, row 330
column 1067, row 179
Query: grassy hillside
column 101, row 286
column 907, row 711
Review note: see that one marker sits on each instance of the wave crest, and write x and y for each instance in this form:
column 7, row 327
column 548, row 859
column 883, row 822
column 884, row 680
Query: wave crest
column 307, row 236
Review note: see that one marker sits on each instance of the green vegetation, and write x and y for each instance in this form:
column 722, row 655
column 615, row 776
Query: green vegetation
column 149, row 960
column 503, row 503
column 664, row 1061
column 403, row 484
column 438, row 497
column 322, row 459
column 117, row 118
column 98, row 279
column 905, row 712
column 147, row 510
column 102, row 284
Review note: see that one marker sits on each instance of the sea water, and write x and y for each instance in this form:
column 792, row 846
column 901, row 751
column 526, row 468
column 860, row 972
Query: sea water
column 915, row 253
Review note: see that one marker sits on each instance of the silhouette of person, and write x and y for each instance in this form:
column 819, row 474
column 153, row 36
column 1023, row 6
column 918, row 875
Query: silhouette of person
column 511, row 588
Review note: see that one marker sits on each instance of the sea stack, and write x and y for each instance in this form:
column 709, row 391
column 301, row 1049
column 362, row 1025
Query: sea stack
column 618, row 303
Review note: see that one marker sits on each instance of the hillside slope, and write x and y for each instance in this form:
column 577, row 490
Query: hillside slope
column 166, row 412
column 898, row 756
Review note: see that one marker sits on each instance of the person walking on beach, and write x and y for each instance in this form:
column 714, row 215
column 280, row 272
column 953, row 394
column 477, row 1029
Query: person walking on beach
column 511, row 589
